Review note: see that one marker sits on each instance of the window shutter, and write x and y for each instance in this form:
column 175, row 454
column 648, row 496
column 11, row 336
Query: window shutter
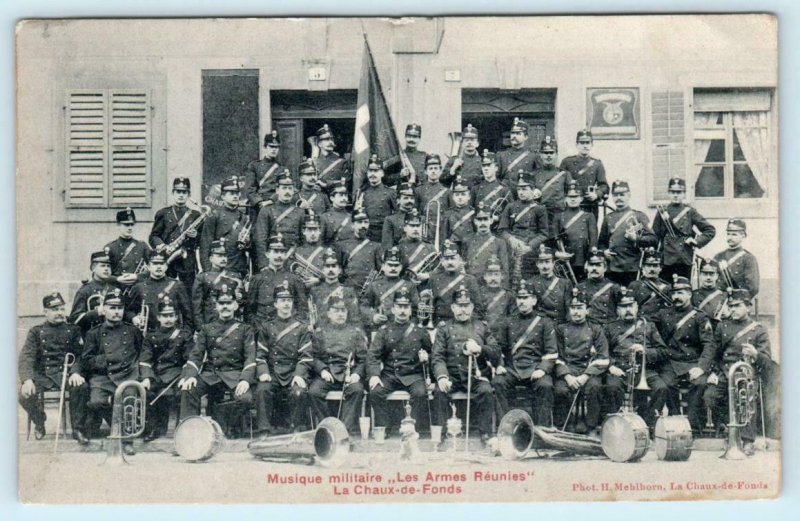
column 86, row 148
column 130, row 148
column 669, row 147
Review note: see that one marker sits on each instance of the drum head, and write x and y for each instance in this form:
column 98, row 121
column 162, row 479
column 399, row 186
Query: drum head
column 673, row 438
column 195, row 437
column 624, row 437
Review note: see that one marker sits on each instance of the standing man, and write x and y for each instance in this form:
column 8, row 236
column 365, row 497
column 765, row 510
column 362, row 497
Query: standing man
column 524, row 225
column 413, row 249
column 260, row 295
column 337, row 220
column 483, row 245
column 207, row 284
column 452, row 277
column 552, row 292
column 490, row 192
column 432, row 189
column 602, row 293
column 330, row 165
column 588, row 172
column 127, row 255
column 260, row 176
column 577, row 231
column 708, row 298
column 87, row 305
column 310, row 195
column 376, row 302
column 152, row 290
column 394, row 225
column 500, row 302
column 415, row 156
column 457, row 220
column 283, row 217
column 468, row 163
column 227, row 221
column 330, row 286
column 309, row 253
column 738, row 267
column 552, row 182
column 378, row 200
column 519, row 156
column 360, row 256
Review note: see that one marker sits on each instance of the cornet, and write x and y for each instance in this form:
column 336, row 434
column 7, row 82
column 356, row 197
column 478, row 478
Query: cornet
column 243, row 240
column 144, row 317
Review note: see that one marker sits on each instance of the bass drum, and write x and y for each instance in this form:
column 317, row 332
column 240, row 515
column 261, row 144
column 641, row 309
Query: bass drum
column 625, row 437
column 673, row 438
column 198, row 438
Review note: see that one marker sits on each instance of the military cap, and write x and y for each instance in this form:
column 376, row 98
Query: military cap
column 449, row 249
column 230, row 185
column 572, row 190
column 709, row 266
column 359, row 214
column 545, row 253
column 488, row 158
column 651, row 256
column 679, row 283
column 225, row 293
column 126, row 216
column 738, row 295
column 53, row 300
column 433, row 159
column 412, row 129
column 469, row 131
column 276, row 242
column 596, row 257
column 338, row 186
column 493, row 264
column 329, row 257
column 625, row 298
column 462, row 295
column 519, row 125
column 579, row 298
column 156, row 257
column 736, row 225
column 459, row 185
column 324, row 132
column 113, row 298
column 166, row 306
column 375, row 163
column 523, row 291
column 584, row 134
column 524, row 178
column 482, row 212
column 405, row 189
column 311, row 219
column 306, row 166
column 548, row 143
column 392, row 255
column 412, row 218
column 285, row 178
column 401, row 296
column 620, row 185
column 272, row 139
column 282, row 290
column 100, row 256
column 218, row 246
column 336, row 300
column 181, row 183
column 676, row 184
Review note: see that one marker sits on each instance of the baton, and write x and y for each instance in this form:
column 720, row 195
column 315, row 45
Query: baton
column 163, row 391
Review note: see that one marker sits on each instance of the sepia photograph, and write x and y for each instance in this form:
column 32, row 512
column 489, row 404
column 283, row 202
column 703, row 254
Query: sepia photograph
column 398, row 260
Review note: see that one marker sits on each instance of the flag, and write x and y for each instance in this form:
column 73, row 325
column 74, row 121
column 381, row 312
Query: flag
column 374, row 132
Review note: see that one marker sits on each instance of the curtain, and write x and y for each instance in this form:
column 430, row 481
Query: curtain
column 701, row 146
column 753, row 133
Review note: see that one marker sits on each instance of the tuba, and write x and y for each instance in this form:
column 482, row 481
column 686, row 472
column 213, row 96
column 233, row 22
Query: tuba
column 127, row 419
column 328, row 445
column 304, row 269
column 517, row 436
column 741, row 406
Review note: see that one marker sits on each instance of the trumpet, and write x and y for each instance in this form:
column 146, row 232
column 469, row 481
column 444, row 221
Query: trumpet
column 433, row 205
column 371, row 276
column 243, row 240
column 424, row 267
column 425, row 308
column 304, row 269
column 144, row 317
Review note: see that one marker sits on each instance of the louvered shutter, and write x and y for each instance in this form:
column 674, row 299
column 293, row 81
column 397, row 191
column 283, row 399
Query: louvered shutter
column 130, row 149
column 86, row 149
column 669, row 147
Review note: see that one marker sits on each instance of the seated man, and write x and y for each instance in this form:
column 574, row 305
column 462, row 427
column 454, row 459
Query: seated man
column 41, row 365
column 500, row 301
column 320, row 294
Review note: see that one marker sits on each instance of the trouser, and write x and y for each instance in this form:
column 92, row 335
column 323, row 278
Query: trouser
column 158, row 413
column 646, row 403
column 271, row 394
column 563, row 401
column 580, row 272
column 226, row 415
column 553, row 213
column 623, row 278
column 420, row 407
column 699, row 396
column 78, row 404
column 353, row 395
column 481, row 404
column 540, row 394
column 683, row 270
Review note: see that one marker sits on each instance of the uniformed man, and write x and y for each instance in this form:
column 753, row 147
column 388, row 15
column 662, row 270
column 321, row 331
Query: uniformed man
column 457, row 339
column 151, row 290
column 394, row 225
column 128, row 256
column 631, row 339
column 110, row 357
column 395, row 362
column 490, row 192
column 330, row 166
column 738, row 267
column 527, row 341
column 283, row 353
column 432, row 189
column 624, row 234
column 86, row 307
column 207, row 283
column 260, row 300
column 283, row 217
column 519, row 156
column 452, row 276
column 337, row 220
column 524, row 225
column 650, row 291
column 309, row 252
column 500, row 302
column 260, row 176
column 414, row 251
column 415, row 156
column 708, row 298
column 457, row 221
column 690, row 352
column 588, row 172
column 583, row 359
column 603, row 294
column 553, row 293
column 164, row 352
column 376, row 302
column 360, row 256
column 551, row 181
column 675, row 226
column 576, row 230
column 172, row 223
column 378, row 200
column 483, row 245
column 338, row 352
column 310, row 195
column 467, row 164
column 227, row 221
column 41, row 365
column 331, row 286
column 223, row 360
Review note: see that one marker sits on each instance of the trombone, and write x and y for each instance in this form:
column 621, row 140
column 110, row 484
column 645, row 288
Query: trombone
column 433, row 205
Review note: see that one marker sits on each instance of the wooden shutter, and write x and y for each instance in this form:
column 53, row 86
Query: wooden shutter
column 130, row 149
column 668, row 148
column 86, row 149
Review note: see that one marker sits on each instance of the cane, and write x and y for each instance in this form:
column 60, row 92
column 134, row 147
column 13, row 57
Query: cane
column 469, row 399
column 346, row 376
column 427, row 377
column 69, row 359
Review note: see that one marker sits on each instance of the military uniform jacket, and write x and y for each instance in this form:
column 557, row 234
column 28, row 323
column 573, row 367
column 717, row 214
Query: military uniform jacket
column 283, row 218
column 359, row 256
column 42, row 355
column 392, row 231
column 337, row 225
column 649, row 303
column 527, row 343
column 444, row 284
column 164, row 352
column 314, row 199
column 413, row 252
column 332, row 168
column 512, row 160
column 458, row 224
column 612, row 236
column 731, row 335
column 427, row 192
column 582, row 349
column 260, row 299
column 709, row 301
column 80, row 314
column 587, row 171
column 283, row 349
column 224, row 222
column 470, row 171
column 260, row 180
column 580, row 233
column 448, row 357
column 321, row 293
column 684, row 219
column 126, row 254
column 477, row 250
column 206, row 284
column 743, row 268
column 379, row 203
column 224, row 352
column 168, row 225
column 417, row 159
column 379, row 296
column 150, row 291
column 689, row 338
column 111, row 351
column 333, row 345
column 500, row 303
column 622, row 335
column 553, row 296
column 395, row 351
column 525, row 220
column 487, row 192
column 553, row 183
column 603, row 295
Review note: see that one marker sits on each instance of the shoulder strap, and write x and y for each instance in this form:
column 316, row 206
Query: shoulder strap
column 519, row 158
column 524, row 337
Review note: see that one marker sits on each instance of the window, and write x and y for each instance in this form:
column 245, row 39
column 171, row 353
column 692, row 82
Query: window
column 732, row 144
column 108, row 158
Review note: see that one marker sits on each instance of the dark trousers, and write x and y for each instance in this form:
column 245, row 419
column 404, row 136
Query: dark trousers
column 683, row 270
column 699, row 395
column 272, row 394
column 580, row 272
column 646, row 403
column 623, row 278
column 564, row 397
column 390, row 383
column 101, row 401
column 225, row 414
column 78, row 404
column 540, row 394
column 353, row 395
column 158, row 413
column 481, row 408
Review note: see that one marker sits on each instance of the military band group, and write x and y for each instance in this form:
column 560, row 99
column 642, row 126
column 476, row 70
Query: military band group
column 507, row 274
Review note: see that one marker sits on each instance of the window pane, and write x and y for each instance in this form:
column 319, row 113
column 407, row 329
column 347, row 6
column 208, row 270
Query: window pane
column 745, row 184
column 709, row 150
column 710, row 182
column 707, row 119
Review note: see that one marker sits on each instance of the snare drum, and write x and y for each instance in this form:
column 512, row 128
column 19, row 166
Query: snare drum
column 673, row 438
column 625, row 437
column 198, row 438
